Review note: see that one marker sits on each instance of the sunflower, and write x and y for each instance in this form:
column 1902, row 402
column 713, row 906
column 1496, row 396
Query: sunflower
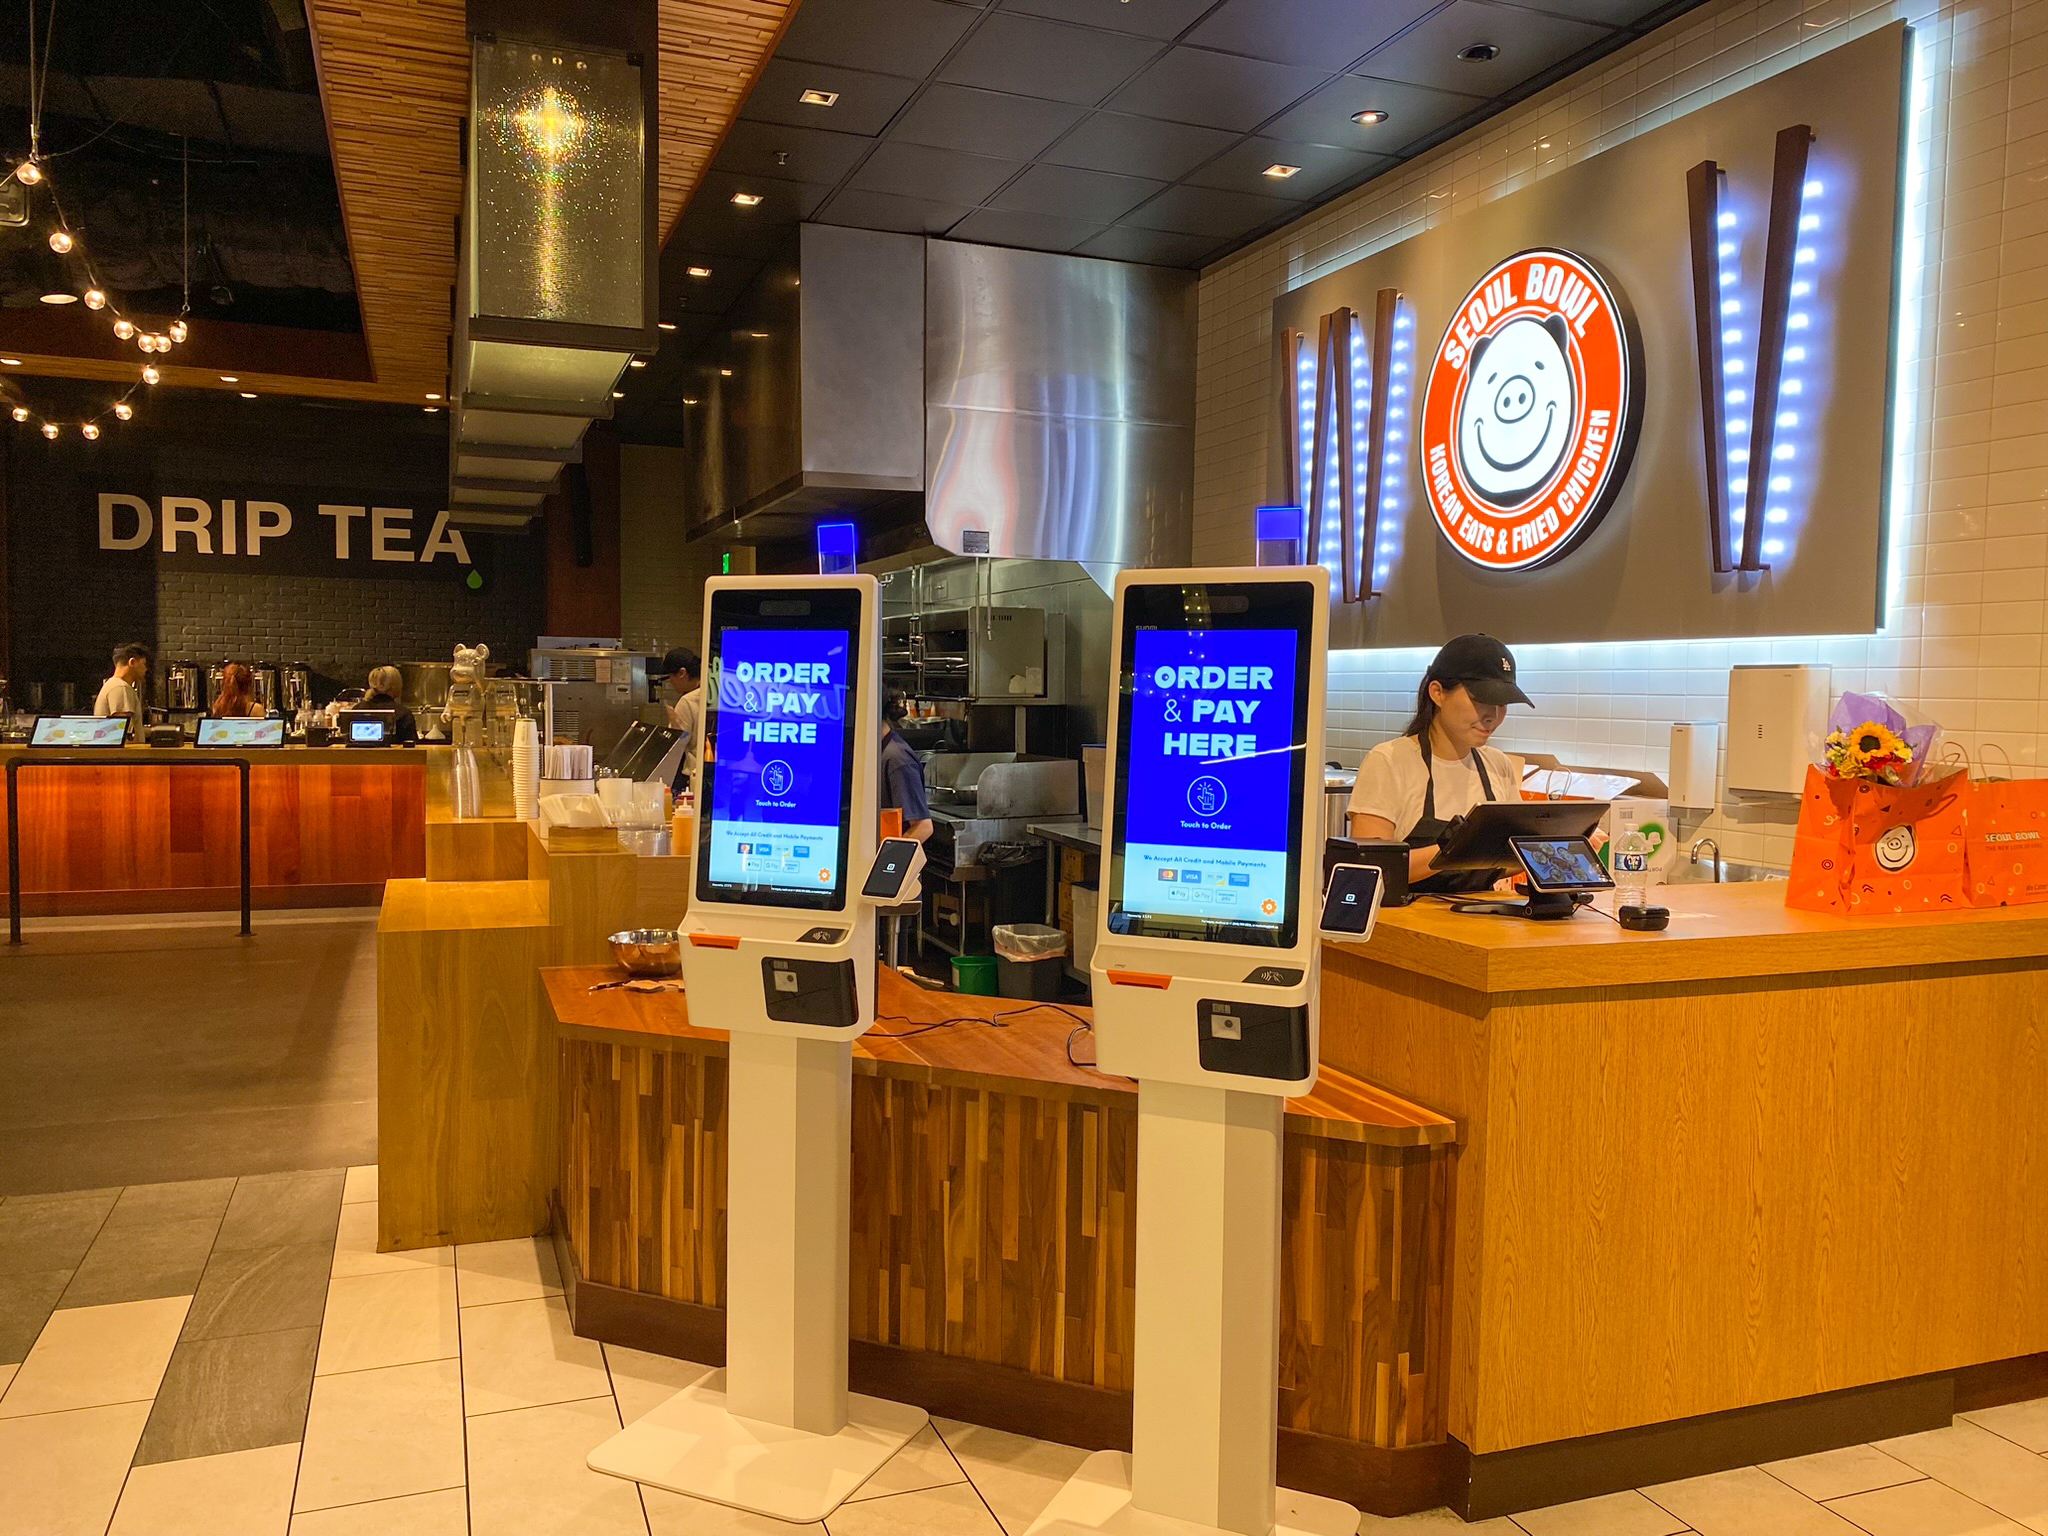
column 1872, row 743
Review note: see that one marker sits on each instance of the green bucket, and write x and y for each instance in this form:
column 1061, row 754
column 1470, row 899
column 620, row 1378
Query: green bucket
column 975, row 975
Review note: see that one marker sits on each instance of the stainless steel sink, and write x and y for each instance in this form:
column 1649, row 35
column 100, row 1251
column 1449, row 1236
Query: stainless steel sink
column 1732, row 873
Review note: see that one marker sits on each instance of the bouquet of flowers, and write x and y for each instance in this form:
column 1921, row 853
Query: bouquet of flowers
column 1869, row 737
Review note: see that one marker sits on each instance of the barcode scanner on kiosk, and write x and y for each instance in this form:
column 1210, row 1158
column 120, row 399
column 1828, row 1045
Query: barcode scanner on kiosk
column 1205, row 977
column 779, row 950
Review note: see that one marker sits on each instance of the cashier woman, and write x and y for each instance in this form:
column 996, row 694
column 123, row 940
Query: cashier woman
column 1412, row 788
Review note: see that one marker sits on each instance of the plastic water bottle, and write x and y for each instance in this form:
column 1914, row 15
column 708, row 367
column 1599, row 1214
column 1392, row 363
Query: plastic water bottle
column 1632, row 871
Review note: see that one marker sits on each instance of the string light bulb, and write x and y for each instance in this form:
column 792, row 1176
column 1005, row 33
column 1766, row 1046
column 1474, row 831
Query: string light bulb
column 61, row 241
column 50, row 430
column 21, row 413
column 124, row 328
column 179, row 331
column 150, row 374
column 95, row 299
column 28, row 173
column 124, row 410
column 91, row 430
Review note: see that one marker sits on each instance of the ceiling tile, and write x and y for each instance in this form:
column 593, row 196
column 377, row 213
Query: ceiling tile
column 1222, row 90
column 1327, row 33
column 1030, row 57
column 880, row 210
column 1033, row 231
column 1187, row 210
column 891, row 37
column 790, row 154
column 1605, row 13
column 1146, row 18
column 1322, row 168
column 1138, row 146
column 935, row 175
column 984, row 122
column 1529, row 42
column 1126, row 242
column 1065, row 192
column 1412, row 111
column 866, row 101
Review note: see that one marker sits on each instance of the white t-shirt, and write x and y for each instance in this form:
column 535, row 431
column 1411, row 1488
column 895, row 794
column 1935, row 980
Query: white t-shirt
column 686, row 714
column 117, row 697
column 1392, row 784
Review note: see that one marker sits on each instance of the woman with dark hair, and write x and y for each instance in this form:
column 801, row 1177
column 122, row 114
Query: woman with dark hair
column 237, row 698
column 1414, row 788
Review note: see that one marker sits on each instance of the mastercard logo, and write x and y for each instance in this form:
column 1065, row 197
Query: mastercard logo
column 1530, row 410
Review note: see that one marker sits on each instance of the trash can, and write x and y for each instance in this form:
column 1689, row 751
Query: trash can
column 975, row 975
column 1028, row 959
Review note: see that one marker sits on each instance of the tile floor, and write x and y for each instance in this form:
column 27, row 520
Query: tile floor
column 233, row 1357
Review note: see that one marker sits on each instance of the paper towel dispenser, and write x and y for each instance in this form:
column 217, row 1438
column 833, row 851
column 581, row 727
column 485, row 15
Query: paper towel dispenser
column 1775, row 715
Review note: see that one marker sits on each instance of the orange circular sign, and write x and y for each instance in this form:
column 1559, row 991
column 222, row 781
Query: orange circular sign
column 1530, row 410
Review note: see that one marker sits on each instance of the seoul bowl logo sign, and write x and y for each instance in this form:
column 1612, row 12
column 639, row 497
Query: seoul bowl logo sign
column 1530, row 411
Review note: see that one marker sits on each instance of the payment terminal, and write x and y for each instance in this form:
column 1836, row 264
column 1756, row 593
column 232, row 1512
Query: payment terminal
column 1204, row 971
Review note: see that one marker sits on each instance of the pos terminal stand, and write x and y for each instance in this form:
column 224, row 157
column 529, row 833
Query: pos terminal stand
column 779, row 948
column 1205, row 980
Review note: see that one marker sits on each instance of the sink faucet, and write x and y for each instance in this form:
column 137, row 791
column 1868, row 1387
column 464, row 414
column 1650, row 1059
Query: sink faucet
column 1708, row 842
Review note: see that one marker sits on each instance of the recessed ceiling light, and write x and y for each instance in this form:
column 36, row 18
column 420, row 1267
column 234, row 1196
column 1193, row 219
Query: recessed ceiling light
column 1371, row 117
column 433, row 397
column 758, row 335
column 1281, row 172
column 229, row 378
column 664, row 325
column 1480, row 53
column 699, row 271
column 60, row 298
column 819, row 98
column 431, row 410
column 725, row 373
column 746, row 199
column 11, row 362
column 618, row 394
column 247, row 396
column 689, row 399
column 638, row 362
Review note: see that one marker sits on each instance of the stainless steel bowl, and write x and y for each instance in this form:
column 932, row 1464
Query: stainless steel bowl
column 648, row 951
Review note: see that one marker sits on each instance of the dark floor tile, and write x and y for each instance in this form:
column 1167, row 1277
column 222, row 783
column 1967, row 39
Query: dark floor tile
column 261, row 1290
column 232, row 1394
column 107, row 1195
column 26, row 1302
column 190, row 1200
column 49, row 1234
column 138, row 1263
column 271, row 1212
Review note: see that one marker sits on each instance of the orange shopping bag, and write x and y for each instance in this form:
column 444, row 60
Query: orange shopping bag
column 2008, row 844
column 1865, row 847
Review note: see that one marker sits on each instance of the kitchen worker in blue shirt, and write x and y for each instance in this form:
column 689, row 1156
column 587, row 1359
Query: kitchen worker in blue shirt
column 901, row 781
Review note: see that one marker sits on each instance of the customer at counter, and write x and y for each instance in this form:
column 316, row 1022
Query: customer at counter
column 121, row 694
column 386, row 683
column 1414, row 788
column 902, row 776
column 237, row 697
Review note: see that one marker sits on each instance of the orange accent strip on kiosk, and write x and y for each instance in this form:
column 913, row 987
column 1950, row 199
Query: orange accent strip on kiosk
column 1138, row 979
column 716, row 940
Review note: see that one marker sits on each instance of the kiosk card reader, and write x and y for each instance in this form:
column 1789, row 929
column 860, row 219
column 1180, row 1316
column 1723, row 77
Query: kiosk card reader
column 1205, row 978
column 779, row 949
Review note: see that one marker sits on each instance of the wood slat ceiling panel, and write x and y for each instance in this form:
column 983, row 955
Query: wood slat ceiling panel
column 394, row 75
column 711, row 50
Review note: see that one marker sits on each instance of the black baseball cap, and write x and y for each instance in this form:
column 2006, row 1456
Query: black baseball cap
column 680, row 659
column 1485, row 668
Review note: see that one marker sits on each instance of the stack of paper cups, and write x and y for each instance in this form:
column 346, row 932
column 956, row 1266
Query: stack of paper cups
column 526, row 770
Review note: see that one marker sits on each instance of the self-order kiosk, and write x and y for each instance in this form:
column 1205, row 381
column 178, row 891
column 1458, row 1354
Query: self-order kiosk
column 779, row 949
column 1205, row 978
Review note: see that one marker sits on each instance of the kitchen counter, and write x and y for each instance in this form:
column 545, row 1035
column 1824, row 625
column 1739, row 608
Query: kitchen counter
column 1768, row 1182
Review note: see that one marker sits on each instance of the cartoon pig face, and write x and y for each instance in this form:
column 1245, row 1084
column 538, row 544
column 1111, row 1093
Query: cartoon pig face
column 1515, row 422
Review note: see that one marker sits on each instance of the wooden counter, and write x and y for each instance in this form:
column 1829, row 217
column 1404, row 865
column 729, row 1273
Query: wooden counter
column 993, row 1226
column 328, row 826
column 1764, row 1156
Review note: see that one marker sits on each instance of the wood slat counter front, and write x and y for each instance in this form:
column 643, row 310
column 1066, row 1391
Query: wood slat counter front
column 1762, row 1156
column 993, row 1226
column 328, row 826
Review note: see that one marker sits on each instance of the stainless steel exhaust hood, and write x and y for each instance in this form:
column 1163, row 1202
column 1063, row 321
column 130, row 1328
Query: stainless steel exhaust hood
column 1042, row 405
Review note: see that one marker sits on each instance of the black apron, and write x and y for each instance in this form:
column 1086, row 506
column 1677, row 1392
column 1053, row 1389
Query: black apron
column 1429, row 829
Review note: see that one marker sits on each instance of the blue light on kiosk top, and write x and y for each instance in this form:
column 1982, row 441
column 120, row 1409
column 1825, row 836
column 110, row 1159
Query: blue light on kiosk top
column 838, row 549
column 1280, row 535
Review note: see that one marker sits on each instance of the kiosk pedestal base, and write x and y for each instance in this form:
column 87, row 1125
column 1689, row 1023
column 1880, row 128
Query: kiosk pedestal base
column 1097, row 1502
column 694, row 1444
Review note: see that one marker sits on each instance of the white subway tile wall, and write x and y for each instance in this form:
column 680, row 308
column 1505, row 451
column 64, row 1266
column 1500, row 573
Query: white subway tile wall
column 1970, row 504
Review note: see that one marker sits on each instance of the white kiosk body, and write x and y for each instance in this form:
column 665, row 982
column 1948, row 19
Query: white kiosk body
column 779, row 949
column 1205, row 979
